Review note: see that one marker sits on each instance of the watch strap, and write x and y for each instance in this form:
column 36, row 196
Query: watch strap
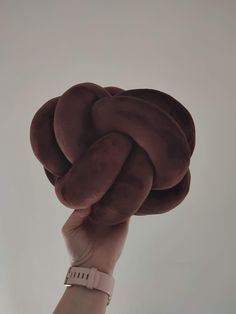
column 91, row 278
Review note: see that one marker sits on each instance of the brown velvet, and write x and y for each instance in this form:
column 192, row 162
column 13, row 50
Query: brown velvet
column 123, row 152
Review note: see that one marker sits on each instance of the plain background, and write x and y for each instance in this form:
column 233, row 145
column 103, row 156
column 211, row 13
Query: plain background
column 179, row 262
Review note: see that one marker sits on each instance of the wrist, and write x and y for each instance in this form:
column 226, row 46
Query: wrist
column 108, row 269
column 90, row 278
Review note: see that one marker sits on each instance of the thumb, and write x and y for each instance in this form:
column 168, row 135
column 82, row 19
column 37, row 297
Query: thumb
column 76, row 219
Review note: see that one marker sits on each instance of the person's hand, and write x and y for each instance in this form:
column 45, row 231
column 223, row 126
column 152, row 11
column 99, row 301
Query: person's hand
column 92, row 245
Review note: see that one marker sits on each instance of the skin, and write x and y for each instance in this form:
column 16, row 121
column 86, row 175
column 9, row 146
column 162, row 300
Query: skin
column 90, row 245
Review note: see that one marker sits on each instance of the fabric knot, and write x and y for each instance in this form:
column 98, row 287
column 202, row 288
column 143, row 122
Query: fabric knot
column 123, row 152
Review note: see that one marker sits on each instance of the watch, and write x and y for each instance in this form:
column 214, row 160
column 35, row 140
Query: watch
column 91, row 278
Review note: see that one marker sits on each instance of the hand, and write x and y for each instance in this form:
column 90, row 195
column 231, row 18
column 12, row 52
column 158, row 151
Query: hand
column 92, row 245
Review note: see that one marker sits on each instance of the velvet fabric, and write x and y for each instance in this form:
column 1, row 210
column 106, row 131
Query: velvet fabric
column 122, row 152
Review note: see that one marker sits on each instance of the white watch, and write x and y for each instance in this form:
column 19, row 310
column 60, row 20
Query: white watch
column 91, row 278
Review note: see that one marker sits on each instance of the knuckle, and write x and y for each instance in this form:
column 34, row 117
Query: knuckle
column 64, row 229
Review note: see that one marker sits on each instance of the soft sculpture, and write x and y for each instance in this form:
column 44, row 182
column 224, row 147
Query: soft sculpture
column 122, row 152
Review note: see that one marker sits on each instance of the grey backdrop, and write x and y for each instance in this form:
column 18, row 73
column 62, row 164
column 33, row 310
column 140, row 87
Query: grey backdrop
column 179, row 262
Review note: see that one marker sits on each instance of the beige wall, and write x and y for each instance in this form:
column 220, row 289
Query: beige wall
column 179, row 262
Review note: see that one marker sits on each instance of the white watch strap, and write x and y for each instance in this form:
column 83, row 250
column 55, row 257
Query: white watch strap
column 91, row 278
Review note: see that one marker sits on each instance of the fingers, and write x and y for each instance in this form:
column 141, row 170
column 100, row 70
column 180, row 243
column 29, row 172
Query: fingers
column 120, row 229
column 75, row 220
column 79, row 218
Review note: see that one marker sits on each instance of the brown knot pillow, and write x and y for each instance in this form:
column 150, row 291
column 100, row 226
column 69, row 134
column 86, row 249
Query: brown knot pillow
column 122, row 152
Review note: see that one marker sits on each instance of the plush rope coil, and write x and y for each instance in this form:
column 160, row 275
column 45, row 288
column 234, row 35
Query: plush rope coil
column 122, row 152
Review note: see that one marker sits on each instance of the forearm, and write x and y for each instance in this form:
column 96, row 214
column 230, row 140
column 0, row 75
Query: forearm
column 81, row 300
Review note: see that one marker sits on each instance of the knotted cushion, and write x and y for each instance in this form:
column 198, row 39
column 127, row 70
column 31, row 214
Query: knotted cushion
column 122, row 152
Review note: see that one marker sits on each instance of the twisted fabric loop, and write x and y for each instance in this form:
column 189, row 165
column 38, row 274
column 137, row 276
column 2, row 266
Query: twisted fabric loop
column 121, row 152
